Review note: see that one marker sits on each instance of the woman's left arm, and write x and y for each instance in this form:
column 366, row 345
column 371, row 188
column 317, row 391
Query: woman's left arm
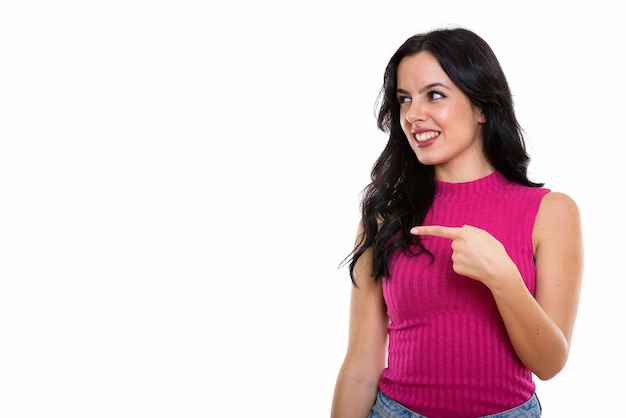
column 541, row 328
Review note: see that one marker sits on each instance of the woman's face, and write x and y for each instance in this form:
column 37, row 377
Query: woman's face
column 439, row 121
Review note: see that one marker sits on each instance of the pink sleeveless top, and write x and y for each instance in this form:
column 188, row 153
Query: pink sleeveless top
column 449, row 353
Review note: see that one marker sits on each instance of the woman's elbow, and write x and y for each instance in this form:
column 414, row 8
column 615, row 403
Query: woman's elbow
column 548, row 371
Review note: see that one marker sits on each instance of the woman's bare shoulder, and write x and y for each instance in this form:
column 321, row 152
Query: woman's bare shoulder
column 556, row 205
column 558, row 218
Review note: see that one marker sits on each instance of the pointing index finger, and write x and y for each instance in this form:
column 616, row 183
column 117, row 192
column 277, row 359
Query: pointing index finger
column 436, row 231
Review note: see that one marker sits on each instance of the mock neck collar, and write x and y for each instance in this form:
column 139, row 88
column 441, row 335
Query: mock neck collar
column 470, row 189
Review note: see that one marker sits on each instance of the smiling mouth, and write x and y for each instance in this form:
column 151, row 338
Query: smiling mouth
column 426, row 136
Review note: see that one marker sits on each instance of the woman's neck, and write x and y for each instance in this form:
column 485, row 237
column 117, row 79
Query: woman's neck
column 457, row 174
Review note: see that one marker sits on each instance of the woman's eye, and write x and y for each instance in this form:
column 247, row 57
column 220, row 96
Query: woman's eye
column 433, row 95
column 404, row 99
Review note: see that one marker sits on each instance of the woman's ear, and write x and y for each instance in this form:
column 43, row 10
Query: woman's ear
column 481, row 116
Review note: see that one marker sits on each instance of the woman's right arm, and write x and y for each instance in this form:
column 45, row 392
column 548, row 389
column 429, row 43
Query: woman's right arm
column 366, row 355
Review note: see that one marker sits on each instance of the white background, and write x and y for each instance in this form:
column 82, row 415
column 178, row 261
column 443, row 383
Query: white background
column 179, row 182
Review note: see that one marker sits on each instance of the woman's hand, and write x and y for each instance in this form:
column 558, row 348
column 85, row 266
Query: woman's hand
column 475, row 252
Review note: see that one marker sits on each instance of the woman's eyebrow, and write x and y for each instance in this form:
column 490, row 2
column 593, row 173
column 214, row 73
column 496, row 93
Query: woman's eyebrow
column 432, row 85
column 427, row 87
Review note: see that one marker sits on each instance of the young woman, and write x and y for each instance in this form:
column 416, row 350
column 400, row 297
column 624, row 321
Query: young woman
column 466, row 274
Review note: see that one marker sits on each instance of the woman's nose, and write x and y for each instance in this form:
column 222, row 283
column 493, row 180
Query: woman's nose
column 415, row 114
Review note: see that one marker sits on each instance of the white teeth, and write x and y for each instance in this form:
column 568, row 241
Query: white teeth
column 425, row 136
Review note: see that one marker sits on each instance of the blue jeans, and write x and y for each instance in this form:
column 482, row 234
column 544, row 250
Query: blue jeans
column 386, row 407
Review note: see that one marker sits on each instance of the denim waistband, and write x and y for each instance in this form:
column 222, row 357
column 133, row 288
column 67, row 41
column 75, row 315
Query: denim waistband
column 386, row 407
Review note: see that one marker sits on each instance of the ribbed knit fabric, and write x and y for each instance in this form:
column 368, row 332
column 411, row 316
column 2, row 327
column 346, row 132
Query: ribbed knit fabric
column 449, row 353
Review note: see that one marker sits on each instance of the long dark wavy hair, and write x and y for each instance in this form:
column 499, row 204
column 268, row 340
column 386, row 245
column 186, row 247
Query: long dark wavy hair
column 402, row 189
